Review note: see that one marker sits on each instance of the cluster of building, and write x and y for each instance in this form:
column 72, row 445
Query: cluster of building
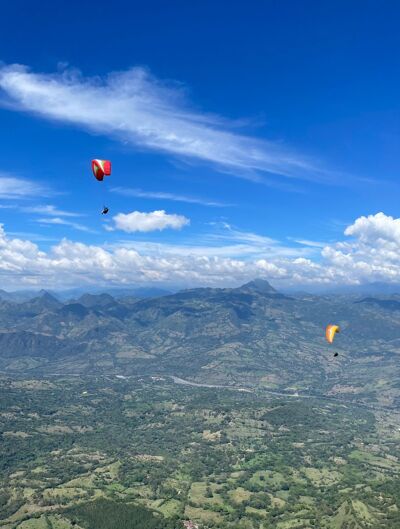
column 188, row 524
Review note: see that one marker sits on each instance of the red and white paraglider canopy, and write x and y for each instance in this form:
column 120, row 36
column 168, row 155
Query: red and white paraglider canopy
column 101, row 168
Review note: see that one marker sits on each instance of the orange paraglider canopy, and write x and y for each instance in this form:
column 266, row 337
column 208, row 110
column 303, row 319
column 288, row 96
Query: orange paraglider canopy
column 330, row 332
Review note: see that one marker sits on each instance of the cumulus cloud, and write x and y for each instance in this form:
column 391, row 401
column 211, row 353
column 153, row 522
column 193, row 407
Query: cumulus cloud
column 143, row 111
column 372, row 253
column 14, row 188
column 152, row 221
column 378, row 228
column 68, row 263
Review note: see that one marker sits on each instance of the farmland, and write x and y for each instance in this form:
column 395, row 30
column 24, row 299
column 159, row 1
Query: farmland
column 98, row 452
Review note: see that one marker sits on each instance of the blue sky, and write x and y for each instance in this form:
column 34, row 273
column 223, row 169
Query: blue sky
column 247, row 138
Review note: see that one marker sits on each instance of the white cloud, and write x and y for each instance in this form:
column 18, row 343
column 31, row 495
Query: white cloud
column 143, row 111
column 14, row 188
column 306, row 242
column 207, row 247
column 58, row 221
column 372, row 253
column 152, row 221
column 378, row 228
column 51, row 211
column 130, row 192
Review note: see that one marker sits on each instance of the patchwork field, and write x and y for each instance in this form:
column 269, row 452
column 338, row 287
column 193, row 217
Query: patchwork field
column 106, row 452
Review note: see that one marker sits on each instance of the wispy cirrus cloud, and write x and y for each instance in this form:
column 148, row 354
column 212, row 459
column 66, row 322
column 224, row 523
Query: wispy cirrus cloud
column 307, row 242
column 143, row 111
column 51, row 211
column 14, row 188
column 51, row 215
column 58, row 221
column 161, row 195
column 223, row 241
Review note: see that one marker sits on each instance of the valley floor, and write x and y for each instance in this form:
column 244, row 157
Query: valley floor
column 150, row 452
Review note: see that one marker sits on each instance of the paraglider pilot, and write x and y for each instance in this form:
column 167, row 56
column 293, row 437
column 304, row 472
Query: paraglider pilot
column 101, row 168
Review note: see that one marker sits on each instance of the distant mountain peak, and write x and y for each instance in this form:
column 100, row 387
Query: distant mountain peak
column 259, row 285
column 93, row 300
column 47, row 299
column 43, row 294
column 44, row 301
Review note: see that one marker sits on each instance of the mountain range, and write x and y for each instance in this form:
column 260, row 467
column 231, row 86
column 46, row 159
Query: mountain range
column 252, row 336
column 66, row 295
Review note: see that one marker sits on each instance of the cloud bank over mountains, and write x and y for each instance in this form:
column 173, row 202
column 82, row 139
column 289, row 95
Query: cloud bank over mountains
column 372, row 253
